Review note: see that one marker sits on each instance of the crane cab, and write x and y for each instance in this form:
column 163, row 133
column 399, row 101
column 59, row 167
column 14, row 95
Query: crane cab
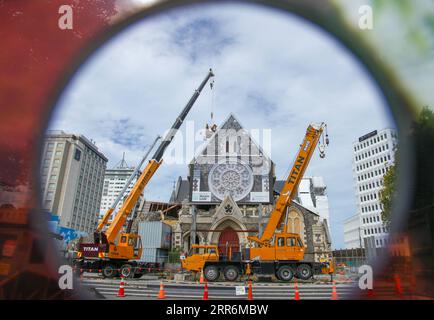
column 129, row 247
column 198, row 255
column 287, row 246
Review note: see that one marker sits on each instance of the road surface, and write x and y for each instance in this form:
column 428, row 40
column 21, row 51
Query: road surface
column 149, row 289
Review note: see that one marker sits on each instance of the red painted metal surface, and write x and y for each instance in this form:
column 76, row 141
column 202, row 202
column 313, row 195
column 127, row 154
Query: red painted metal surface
column 35, row 59
column 228, row 239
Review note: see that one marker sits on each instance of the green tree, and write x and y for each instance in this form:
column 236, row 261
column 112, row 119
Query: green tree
column 388, row 194
column 174, row 255
column 423, row 136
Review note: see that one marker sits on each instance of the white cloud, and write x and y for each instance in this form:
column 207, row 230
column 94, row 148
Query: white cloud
column 133, row 88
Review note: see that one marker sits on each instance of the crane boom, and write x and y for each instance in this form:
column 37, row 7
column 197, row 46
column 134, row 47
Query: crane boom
column 152, row 166
column 171, row 133
column 289, row 189
column 107, row 215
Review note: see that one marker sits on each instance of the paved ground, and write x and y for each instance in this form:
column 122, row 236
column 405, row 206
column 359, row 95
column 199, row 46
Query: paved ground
column 149, row 288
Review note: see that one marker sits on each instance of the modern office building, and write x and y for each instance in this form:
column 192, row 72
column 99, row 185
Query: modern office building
column 114, row 182
column 352, row 234
column 72, row 175
column 374, row 153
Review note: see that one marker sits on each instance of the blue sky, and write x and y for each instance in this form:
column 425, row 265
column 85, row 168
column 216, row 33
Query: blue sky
column 272, row 72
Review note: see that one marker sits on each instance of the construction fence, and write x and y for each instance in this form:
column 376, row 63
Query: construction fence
column 349, row 260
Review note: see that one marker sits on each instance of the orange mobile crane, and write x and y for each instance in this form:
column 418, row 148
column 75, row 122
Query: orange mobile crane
column 275, row 252
column 112, row 251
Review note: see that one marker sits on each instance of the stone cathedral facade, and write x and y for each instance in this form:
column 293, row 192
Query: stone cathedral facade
column 229, row 193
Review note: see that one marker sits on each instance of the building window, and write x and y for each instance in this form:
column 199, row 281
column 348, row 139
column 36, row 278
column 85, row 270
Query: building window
column 50, row 195
column 77, row 154
column 294, row 223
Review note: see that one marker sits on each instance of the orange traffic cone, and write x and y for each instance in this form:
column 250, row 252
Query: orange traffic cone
column 205, row 292
column 296, row 293
column 201, row 280
column 250, row 291
column 161, row 294
column 398, row 288
column 334, row 292
column 121, row 291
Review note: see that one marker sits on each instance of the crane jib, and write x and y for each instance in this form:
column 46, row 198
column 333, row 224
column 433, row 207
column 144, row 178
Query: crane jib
column 158, row 155
column 124, row 251
column 296, row 170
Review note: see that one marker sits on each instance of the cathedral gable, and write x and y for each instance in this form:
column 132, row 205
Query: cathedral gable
column 231, row 163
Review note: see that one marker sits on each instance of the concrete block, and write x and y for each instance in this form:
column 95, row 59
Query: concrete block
column 183, row 277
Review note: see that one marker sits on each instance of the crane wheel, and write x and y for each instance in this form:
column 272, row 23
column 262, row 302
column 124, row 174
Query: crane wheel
column 285, row 273
column 127, row 271
column 304, row 272
column 231, row 273
column 109, row 271
column 211, row 273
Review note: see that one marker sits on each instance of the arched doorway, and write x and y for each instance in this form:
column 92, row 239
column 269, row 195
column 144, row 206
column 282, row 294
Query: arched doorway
column 228, row 238
column 239, row 237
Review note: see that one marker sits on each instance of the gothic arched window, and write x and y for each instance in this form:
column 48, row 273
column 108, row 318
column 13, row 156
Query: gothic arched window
column 295, row 223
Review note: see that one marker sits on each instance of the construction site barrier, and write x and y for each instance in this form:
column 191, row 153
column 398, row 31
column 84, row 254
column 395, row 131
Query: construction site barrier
column 250, row 291
column 334, row 292
column 296, row 293
column 161, row 293
column 121, row 291
column 205, row 291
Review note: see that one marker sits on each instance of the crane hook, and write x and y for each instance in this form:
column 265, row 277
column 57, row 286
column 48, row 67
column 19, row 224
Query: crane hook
column 321, row 151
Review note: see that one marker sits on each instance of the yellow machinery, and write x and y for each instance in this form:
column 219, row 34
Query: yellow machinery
column 112, row 250
column 198, row 256
column 275, row 252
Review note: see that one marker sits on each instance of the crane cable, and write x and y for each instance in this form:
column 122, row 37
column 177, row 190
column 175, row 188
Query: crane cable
column 211, row 85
